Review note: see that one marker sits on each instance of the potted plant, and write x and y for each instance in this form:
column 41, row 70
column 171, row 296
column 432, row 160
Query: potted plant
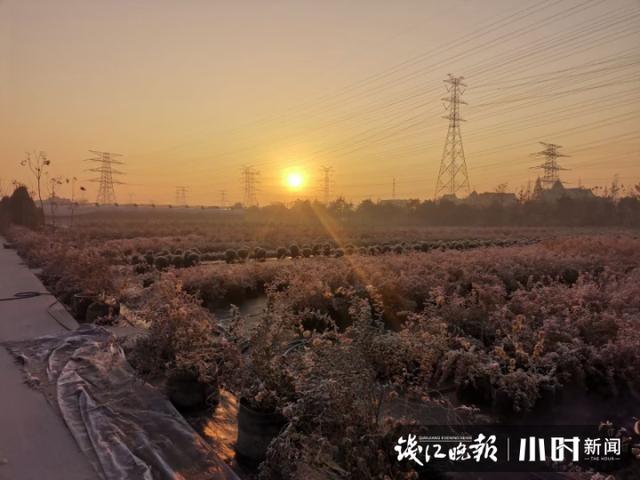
column 183, row 347
column 264, row 385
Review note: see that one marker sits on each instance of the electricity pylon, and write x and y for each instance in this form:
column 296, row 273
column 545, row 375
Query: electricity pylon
column 181, row 195
column 106, row 192
column 453, row 176
column 250, row 179
column 550, row 165
column 326, row 183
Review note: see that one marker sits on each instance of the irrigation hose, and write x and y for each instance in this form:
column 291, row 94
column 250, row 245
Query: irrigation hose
column 33, row 294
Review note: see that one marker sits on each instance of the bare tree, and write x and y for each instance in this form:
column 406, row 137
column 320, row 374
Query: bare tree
column 502, row 188
column 53, row 181
column 37, row 163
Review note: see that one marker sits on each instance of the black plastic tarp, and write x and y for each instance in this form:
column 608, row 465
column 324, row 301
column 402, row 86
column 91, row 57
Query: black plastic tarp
column 126, row 427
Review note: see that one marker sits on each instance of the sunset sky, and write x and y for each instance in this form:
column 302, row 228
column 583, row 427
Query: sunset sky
column 190, row 91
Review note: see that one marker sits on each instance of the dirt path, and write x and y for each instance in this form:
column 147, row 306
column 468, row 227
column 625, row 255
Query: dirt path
column 35, row 444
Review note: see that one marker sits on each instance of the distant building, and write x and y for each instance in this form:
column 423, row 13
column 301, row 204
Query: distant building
column 451, row 197
column 484, row 199
column 491, row 198
column 558, row 191
column 396, row 202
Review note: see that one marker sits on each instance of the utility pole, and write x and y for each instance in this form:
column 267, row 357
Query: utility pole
column 223, row 194
column 550, row 165
column 73, row 198
column 326, row 183
column 106, row 160
column 453, row 176
column 250, row 180
column 181, row 196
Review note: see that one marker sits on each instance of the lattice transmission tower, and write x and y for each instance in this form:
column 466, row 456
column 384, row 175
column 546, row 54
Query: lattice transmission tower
column 250, row 180
column 453, row 176
column 181, row 195
column 106, row 160
column 550, row 167
column 326, row 183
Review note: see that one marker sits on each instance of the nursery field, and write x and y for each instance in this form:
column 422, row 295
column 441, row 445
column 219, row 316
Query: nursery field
column 328, row 340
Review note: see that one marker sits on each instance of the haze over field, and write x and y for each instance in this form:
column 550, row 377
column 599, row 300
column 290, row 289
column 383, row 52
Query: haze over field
column 191, row 91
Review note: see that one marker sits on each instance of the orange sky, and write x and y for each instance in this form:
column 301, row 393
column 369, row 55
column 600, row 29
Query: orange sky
column 191, row 91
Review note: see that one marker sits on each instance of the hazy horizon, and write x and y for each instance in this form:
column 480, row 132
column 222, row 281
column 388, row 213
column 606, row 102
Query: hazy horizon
column 189, row 92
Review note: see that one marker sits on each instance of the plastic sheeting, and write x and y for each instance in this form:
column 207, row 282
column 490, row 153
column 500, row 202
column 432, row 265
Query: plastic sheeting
column 126, row 427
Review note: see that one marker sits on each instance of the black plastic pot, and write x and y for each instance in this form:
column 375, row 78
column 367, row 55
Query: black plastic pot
column 255, row 432
column 188, row 394
column 79, row 305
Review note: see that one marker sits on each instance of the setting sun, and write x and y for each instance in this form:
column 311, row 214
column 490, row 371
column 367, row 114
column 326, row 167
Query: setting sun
column 295, row 180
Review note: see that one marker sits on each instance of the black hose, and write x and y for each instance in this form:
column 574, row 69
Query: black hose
column 24, row 295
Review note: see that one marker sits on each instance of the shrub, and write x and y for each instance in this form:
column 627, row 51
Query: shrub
column 20, row 209
column 161, row 262
column 190, row 258
column 260, row 254
column 230, row 256
column 177, row 261
column 181, row 338
column 306, row 252
column 243, row 254
column 281, row 252
column 141, row 268
column 294, row 250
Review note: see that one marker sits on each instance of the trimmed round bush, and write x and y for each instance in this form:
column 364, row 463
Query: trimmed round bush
column 161, row 262
column 243, row 254
column 177, row 261
column 281, row 252
column 141, row 268
column 260, row 254
column 294, row 250
column 230, row 256
column 190, row 258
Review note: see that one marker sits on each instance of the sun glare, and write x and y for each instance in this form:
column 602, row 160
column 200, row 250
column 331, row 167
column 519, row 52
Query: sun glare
column 295, row 180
